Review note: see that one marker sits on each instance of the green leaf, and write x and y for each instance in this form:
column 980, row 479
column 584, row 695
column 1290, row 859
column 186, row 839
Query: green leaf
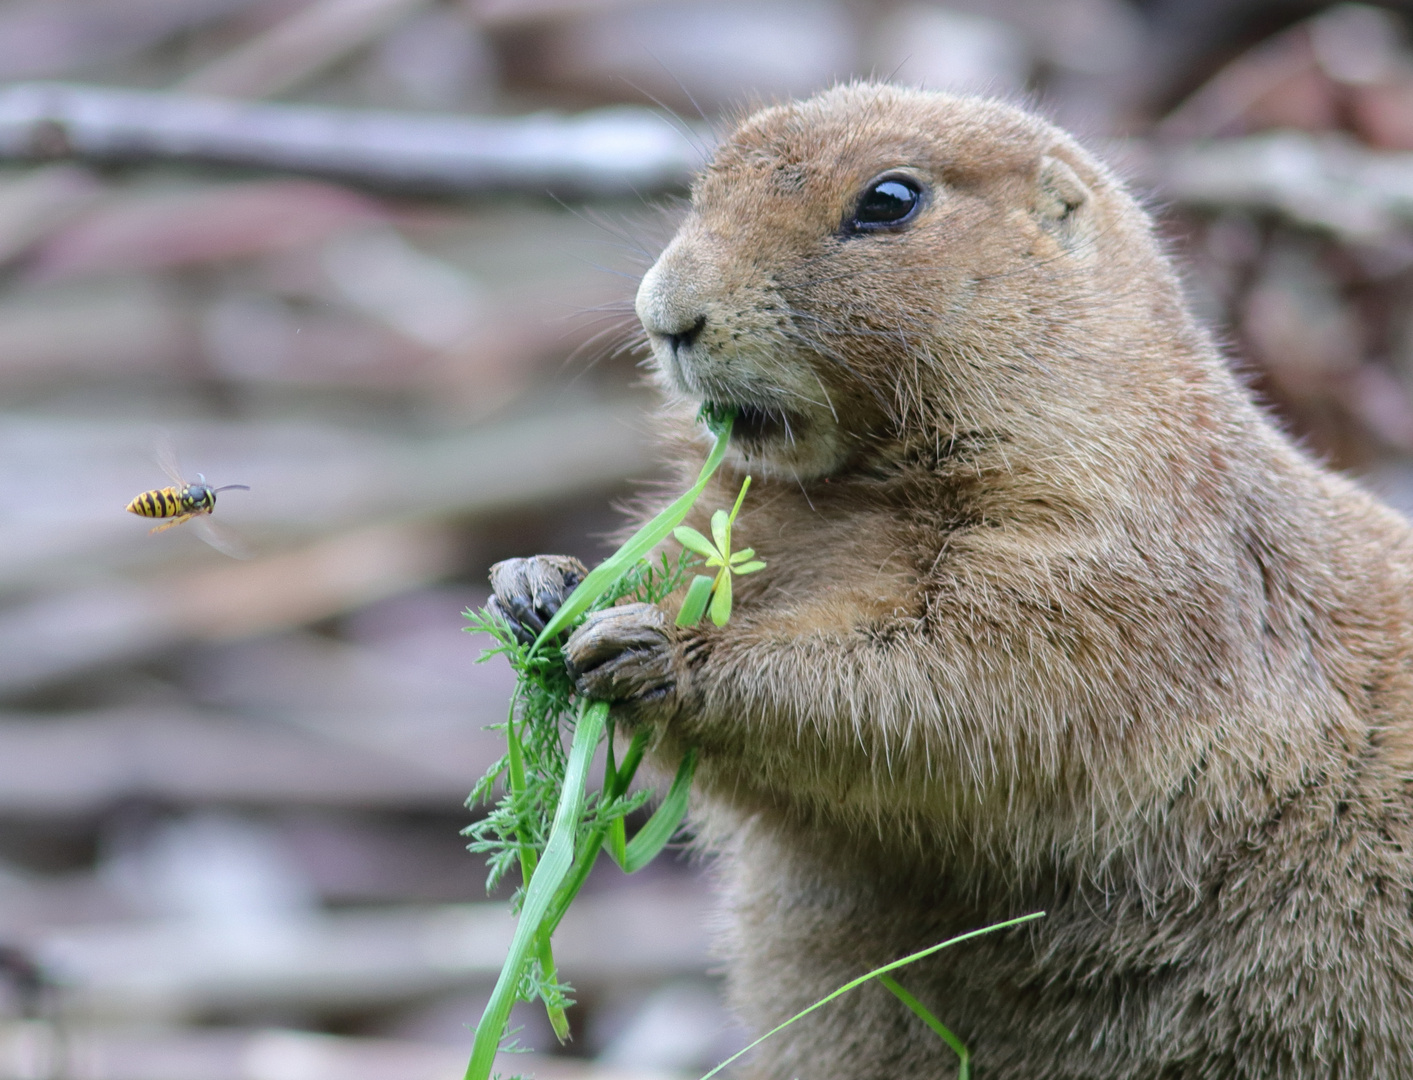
column 658, row 830
column 721, row 532
column 602, row 577
column 853, row 984
column 554, row 864
column 742, row 555
column 925, row 1015
column 721, row 599
column 749, row 568
column 692, row 540
column 695, row 603
column 616, row 843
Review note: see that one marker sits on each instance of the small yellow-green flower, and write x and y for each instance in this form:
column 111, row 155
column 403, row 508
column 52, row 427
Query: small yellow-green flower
column 717, row 552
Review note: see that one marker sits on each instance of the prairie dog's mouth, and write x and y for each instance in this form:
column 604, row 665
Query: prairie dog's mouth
column 757, row 425
column 783, row 442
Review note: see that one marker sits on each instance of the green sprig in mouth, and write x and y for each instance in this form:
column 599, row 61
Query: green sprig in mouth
column 754, row 423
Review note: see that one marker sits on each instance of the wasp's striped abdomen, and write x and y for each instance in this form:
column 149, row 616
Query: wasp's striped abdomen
column 166, row 502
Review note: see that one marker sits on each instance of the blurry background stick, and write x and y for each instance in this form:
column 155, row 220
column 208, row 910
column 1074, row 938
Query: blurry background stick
column 376, row 259
column 605, row 153
column 298, row 47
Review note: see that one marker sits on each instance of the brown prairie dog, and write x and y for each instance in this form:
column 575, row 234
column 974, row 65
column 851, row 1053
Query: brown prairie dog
column 1054, row 619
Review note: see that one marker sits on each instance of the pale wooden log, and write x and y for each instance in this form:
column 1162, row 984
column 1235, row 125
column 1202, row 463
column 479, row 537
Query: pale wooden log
column 77, row 765
column 1327, row 182
column 30, row 1049
column 168, row 970
column 70, row 631
column 622, row 151
column 298, row 48
column 45, row 38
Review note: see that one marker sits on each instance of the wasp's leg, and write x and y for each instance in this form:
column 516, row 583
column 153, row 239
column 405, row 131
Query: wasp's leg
column 175, row 521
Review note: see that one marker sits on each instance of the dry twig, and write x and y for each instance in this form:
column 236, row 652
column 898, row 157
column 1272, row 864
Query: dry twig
column 618, row 151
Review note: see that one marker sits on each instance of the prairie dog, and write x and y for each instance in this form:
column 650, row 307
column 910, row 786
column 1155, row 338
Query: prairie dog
column 1054, row 619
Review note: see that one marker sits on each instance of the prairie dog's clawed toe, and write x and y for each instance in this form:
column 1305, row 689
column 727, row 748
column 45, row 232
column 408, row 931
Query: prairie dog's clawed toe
column 623, row 654
column 527, row 592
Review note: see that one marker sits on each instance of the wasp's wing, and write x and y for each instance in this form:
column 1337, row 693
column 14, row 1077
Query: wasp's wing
column 166, row 452
column 222, row 538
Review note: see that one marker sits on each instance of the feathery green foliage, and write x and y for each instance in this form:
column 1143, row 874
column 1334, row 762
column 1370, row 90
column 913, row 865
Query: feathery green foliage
column 546, row 826
column 543, row 823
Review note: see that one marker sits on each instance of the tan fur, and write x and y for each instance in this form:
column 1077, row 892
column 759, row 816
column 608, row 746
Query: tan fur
column 1054, row 619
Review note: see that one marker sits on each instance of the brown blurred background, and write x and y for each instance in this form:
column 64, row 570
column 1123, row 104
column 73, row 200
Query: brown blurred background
column 373, row 258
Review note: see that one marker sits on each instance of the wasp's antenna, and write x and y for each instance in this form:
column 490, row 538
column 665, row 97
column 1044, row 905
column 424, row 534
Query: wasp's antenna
column 228, row 487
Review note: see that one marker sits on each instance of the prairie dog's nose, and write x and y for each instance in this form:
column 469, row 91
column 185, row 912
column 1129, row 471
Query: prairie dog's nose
column 669, row 307
column 681, row 339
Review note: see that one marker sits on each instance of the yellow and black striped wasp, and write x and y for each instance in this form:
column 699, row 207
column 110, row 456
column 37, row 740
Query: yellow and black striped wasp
column 187, row 500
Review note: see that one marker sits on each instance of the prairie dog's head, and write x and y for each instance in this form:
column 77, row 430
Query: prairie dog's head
column 877, row 260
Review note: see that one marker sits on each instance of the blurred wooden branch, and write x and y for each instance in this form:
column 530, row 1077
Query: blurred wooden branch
column 42, row 38
column 1327, row 182
column 177, row 968
column 27, row 1048
column 608, row 152
column 298, row 48
column 80, row 763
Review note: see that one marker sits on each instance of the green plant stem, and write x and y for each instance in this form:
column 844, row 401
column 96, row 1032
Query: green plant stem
column 921, row 1010
column 544, row 952
column 631, row 760
column 602, row 577
column 515, row 774
column 543, row 892
column 587, row 852
column 615, row 782
column 554, row 864
column 855, row 983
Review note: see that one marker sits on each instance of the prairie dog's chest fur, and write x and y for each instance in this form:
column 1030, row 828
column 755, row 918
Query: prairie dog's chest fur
column 824, row 543
column 1054, row 618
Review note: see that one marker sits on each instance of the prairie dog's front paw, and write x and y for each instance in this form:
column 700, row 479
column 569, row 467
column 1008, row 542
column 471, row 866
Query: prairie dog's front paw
column 624, row 654
column 529, row 591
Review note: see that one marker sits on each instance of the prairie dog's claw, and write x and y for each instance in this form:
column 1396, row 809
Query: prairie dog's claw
column 527, row 592
column 623, row 654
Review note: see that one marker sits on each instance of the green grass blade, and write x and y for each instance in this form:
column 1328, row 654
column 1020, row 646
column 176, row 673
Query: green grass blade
column 617, row 840
column 943, row 1032
column 554, row 864
column 658, row 829
column 602, row 577
column 631, row 760
column 694, row 604
column 855, row 983
column 616, row 844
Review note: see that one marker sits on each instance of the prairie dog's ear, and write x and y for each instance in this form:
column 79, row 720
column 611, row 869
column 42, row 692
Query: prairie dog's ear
column 1060, row 200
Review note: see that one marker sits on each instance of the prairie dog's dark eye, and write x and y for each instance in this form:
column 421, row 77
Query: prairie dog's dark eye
column 888, row 202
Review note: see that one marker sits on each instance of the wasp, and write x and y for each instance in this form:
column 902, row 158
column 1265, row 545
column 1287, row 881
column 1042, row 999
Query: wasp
column 186, row 500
